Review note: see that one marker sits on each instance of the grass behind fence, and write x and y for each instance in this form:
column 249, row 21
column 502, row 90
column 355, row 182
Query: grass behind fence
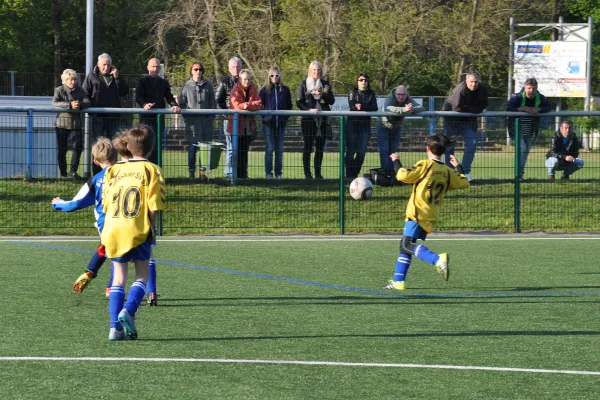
column 514, row 303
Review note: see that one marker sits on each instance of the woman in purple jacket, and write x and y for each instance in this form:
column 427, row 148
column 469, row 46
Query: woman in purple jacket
column 275, row 96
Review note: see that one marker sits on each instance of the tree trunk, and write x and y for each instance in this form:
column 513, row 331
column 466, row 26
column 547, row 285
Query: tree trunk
column 56, row 24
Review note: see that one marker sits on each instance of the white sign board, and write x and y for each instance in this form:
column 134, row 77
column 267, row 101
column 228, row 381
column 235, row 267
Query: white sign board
column 559, row 67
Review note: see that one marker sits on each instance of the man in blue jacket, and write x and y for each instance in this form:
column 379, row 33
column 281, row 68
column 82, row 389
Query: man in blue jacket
column 532, row 102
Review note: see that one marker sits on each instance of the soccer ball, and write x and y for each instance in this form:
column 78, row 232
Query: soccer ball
column 361, row 189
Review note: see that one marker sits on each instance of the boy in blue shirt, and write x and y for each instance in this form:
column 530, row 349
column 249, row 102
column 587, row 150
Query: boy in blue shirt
column 105, row 155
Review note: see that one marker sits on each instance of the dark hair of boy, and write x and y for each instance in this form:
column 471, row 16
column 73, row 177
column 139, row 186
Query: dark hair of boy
column 437, row 144
column 140, row 140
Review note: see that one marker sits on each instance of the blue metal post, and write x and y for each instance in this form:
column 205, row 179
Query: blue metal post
column 234, row 148
column 29, row 145
column 431, row 119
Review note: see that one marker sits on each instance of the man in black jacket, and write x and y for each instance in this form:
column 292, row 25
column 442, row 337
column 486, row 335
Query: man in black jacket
column 105, row 88
column 222, row 98
column 468, row 96
column 151, row 92
column 564, row 152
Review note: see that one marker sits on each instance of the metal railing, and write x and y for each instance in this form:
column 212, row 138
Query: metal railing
column 496, row 201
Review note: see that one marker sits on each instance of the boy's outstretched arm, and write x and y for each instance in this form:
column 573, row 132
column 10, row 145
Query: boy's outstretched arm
column 396, row 160
column 84, row 198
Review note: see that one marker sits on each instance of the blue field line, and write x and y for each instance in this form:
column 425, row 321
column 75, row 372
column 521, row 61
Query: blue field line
column 338, row 287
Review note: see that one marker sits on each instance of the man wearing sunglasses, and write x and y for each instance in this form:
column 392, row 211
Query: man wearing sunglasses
column 196, row 94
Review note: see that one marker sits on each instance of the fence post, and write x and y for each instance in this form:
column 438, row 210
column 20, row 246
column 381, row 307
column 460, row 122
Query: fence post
column 29, row 145
column 159, row 129
column 234, row 148
column 87, row 159
column 159, row 160
column 517, row 180
column 342, row 198
column 431, row 119
column 13, row 89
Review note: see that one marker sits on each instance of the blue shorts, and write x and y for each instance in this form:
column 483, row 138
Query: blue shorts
column 413, row 229
column 142, row 253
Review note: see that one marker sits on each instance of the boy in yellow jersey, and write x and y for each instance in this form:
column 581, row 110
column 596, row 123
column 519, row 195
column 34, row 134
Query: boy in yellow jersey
column 431, row 179
column 134, row 192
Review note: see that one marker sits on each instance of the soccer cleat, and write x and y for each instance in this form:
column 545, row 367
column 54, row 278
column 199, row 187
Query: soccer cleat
column 394, row 285
column 107, row 293
column 469, row 177
column 128, row 324
column 114, row 334
column 152, row 299
column 83, row 280
column 442, row 265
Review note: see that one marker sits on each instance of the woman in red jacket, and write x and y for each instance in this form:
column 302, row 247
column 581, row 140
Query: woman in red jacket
column 244, row 96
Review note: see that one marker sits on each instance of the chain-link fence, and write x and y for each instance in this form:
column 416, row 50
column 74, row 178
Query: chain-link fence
column 290, row 188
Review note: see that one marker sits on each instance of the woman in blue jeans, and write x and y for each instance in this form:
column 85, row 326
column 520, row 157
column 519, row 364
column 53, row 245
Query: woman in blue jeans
column 275, row 96
column 362, row 99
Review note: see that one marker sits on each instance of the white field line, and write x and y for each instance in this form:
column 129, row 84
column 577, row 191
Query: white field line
column 299, row 362
column 310, row 239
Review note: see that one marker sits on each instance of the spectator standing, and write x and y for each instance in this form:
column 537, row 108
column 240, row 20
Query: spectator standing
column 563, row 156
column 362, row 99
column 244, row 96
column 468, row 96
column 275, row 96
column 222, row 97
column 389, row 129
column 197, row 93
column 531, row 101
column 314, row 94
column 69, row 96
column 151, row 92
column 104, row 87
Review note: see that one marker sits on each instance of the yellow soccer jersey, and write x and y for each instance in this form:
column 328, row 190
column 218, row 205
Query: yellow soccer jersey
column 131, row 190
column 432, row 179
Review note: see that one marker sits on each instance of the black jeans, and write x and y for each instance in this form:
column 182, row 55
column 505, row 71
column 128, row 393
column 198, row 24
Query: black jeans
column 64, row 138
column 244, row 142
column 311, row 134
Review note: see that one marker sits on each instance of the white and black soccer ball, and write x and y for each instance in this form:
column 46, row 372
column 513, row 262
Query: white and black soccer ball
column 361, row 189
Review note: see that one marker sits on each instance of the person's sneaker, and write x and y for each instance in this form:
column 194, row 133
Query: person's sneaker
column 107, row 293
column 394, row 285
column 551, row 177
column 469, row 177
column 192, row 175
column 319, row 177
column 278, row 177
column 269, row 176
column 82, row 282
column 152, row 301
column 308, row 176
column 442, row 265
column 565, row 177
column 115, row 334
column 128, row 324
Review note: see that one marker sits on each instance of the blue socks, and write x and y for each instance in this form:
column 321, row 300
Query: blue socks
column 115, row 305
column 135, row 297
column 402, row 265
column 95, row 263
column 151, row 287
column 426, row 255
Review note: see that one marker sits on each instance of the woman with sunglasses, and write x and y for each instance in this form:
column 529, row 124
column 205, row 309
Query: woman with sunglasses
column 361, row 99
column 197, row 93
column 275, row 96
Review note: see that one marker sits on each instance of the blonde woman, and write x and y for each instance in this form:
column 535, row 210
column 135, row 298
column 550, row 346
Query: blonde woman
column 274, row 96
column 69, row 96
column 314, row 94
